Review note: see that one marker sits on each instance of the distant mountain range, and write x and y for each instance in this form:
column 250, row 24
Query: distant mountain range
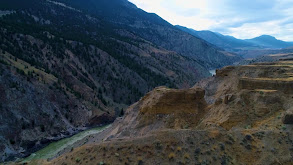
column 233, row 44
column 269, row 42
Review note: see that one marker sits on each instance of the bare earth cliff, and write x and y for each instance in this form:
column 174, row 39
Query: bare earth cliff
column 243, row 115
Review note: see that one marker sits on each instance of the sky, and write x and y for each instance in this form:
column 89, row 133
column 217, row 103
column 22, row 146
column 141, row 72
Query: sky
column 242, row 19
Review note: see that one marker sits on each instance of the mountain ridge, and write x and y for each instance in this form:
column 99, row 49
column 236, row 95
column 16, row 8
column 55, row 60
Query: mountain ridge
column 270, row 41
column 233, row 44
column 151, row 27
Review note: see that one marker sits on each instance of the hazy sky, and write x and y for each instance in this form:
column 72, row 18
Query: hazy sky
column 239, row 18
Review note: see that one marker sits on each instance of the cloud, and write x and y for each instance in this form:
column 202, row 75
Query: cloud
column 239, row 18
column 180, row 9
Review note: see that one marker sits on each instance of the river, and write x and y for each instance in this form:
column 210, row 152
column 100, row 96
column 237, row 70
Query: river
column 55, row 147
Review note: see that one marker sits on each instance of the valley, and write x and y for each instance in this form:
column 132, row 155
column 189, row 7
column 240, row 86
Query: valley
column 105, row 82
column 65, row 68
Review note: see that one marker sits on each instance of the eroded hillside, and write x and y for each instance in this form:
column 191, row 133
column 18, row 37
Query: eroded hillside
column 243, row 115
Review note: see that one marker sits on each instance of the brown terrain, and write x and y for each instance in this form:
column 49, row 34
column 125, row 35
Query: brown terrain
column 243, row 115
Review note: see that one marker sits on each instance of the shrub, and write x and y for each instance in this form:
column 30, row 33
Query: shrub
column 121, row 113
column 248, row 127
column 139, row 159
column 284, row 127
column 186, row 156
column 158, row 145
column 77, row 160
column 12, row 141
column 23, row 126
column 171, row 156
column 42, row 128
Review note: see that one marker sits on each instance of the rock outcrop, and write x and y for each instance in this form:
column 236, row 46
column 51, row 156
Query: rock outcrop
column 163, row 108
column 176, row 108
column 245, row 95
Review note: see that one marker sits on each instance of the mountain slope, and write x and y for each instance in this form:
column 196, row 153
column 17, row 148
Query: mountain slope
column 153, row 28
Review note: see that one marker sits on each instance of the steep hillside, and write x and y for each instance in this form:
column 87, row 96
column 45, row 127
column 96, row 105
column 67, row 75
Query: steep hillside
column 243, row 115
column 64, row 70
column 153, row 28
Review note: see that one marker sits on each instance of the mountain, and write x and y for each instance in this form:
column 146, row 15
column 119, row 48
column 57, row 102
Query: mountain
column 222, row 41
column 66, row 66
column 233, row 44
column 270, row 41
column 243, row 115
column 153, row 28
